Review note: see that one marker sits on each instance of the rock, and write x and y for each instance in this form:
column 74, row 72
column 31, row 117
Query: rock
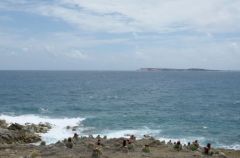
column 91, row 145
column 146, row 149
column 69, row 143
column 15, row 126
column 17, row 136
column 96, row 153
column 40, row 128
column 130, row 147
column 155, row 143
column 125, row 149
column 34, row 154
column 219, row 155
column 68, row 127
column 197, row 154
column 3, row 124
column 43, row 143
column 74, row 128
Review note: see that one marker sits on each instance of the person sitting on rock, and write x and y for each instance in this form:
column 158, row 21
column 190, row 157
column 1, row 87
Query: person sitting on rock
column 196, row 143
column 124, row 143
column 207, row 149
column 132, row 137
column 194, row 146
column 169, row 142
column 178, row 146
column 69, row 143
column 75, row 137
column 146, row 149
column 99, row 142
column 130, row 145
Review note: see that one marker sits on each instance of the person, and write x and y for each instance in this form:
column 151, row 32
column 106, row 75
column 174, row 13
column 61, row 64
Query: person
column 178, row 146
column 130, row 145
column 169, row 142
column 99, row 142
column 75, row 137
column 132, row 137
column 124, row 143
column 196, row 143
column 194, row 146
column 69, row 143
column 207, row 149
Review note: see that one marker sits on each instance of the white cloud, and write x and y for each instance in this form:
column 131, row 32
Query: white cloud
column 155, row 33
column 148, row 15
column 77, row 54
column 208, row 16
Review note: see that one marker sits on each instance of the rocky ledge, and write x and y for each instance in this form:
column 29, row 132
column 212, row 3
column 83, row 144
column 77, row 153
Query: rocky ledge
column 15, row 139
column 19, row 134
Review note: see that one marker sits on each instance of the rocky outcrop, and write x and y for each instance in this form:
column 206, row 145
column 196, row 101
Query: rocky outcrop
column 3, row 124
column 40, row 128
column 16, row 133
column 17, row 136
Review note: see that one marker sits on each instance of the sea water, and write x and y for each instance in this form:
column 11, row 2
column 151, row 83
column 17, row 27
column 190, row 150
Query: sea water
column 176, row 105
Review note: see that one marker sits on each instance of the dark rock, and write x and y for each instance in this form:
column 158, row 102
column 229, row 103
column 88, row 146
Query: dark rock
column 43, row 143
column 15, row 126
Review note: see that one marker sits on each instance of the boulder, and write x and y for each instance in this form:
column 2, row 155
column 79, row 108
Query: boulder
column 40, row 128
column 15, row 126
column 146, row 149
column 96, row 153
column 3, row 124
column 12, row 136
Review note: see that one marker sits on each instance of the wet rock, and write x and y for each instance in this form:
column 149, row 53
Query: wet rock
column 68, row 127
column 43, row 143
column 40, row 128
column 15, row 126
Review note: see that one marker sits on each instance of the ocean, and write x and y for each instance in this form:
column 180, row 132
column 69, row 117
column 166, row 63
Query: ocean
column 176, row 105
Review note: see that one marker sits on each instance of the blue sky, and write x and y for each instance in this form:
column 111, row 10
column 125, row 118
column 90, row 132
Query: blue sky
column 119, row 34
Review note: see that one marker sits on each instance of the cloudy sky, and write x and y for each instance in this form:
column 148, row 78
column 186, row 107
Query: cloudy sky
column 119, row 34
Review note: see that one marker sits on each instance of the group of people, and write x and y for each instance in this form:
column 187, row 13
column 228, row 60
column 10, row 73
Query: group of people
column 127, row 144
column 191, row 146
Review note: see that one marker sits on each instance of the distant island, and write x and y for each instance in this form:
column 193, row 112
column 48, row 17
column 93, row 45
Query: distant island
column 173, row 69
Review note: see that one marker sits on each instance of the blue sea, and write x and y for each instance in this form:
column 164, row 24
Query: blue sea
column 176, row 105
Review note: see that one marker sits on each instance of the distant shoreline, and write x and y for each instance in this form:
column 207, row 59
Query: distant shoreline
column 174, row 69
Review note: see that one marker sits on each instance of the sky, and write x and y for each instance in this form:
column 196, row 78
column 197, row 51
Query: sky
column 119, row 34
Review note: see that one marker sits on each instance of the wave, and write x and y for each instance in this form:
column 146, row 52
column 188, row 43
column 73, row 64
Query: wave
column 58, row 131
column 139, row 133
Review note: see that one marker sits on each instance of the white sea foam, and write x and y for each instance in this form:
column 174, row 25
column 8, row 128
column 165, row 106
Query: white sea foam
column 139, row 133
column 234, row 146
column 58, row 132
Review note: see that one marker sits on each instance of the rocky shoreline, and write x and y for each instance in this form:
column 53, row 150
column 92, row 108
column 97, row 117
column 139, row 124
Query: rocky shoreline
column 16, row 142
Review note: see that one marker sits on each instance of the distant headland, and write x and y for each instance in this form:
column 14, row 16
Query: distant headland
column 174, row 69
